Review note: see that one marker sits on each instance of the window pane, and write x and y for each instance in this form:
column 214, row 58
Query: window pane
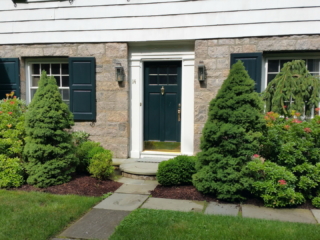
column 57, row 80
column 271, row 77
column 65, row 94
column 173, row 79
column 153, row 70
column 172, row 70
column 65, row 68
column 36, row 69
column 65, row 81
column 273, row 66
column 153, row 80
column 162, row 70
column 55, row 68
column 35, row 81
column 162, row 79
column 313, row 65
column 45, row 67
column 33, row 91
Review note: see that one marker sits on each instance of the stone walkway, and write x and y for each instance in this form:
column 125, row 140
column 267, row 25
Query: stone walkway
column 100, row 222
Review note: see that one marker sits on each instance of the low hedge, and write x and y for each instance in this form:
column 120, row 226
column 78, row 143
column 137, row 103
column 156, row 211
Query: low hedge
column 178, row 170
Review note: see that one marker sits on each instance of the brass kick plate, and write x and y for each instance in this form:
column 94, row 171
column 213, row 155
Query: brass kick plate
column 162, row 146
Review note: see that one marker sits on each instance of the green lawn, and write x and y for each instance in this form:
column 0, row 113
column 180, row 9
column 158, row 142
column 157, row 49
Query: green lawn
column 156, row 224
column 34, row 215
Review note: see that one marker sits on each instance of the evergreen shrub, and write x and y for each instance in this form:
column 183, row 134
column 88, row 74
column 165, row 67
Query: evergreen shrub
column 230, row 137
column 178, row 170
column 100, row 165
column 94, row 151
column 12, row 131
column 316, row 202
column 85, row 152
column 49, row 150
column 11, row 172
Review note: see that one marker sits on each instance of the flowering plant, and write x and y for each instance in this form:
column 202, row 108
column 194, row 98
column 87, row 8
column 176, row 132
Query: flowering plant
column 12, row 111
column 293, row 144
column 273, row 183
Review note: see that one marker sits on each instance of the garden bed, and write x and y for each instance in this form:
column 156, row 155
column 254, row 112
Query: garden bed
column 189, row 192
column 80, row 185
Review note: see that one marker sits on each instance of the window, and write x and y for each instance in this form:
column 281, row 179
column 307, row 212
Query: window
column 274, row 66
column 76, row 80
column 59, row 70
column 273, row 63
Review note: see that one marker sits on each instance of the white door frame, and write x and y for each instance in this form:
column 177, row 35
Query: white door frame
column 142, row 53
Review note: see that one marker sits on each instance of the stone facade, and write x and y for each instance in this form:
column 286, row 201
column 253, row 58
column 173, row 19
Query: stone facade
column 215, row 54
column 112, row 126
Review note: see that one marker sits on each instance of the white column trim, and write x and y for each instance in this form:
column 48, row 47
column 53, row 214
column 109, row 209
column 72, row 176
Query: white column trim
column 137, row 58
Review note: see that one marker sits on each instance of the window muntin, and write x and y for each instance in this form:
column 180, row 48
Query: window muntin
column 58, row 69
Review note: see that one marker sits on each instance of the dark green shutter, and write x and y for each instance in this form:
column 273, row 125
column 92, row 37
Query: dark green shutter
column 9, row 76
column 83, row 88
column 253, row 64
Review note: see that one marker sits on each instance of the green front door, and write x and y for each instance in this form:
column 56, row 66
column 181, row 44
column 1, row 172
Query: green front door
column 162, row 106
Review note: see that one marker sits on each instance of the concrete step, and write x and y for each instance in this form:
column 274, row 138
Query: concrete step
column 119, row 161
column 142, row 168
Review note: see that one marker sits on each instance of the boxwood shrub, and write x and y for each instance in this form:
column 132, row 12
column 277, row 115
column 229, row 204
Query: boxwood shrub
column 178, row 170
column 100, row 165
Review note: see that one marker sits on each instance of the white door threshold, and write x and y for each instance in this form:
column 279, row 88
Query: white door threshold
column 157, row 156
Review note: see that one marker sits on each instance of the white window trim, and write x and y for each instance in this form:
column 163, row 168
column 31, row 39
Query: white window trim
column 28, row 70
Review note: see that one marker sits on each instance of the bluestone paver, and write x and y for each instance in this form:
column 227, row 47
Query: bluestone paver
column 140, row 168
column 222, row 209
column 316, row 214
column 123, row 202
column 287, row 215
column 96, row 224
column 136, row 189
column 173, row 204
column 130, row 181
column 126, row 180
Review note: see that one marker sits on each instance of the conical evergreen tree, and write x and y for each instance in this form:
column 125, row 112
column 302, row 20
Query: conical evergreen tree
column 230, row 136
column 294, row 88
column 49, row 151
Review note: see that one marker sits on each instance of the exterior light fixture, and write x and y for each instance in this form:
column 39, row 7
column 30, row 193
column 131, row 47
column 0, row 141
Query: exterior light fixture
column 119, row 73
column 201, row 71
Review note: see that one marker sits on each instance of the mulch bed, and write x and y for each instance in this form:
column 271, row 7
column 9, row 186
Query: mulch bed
column 80, row 185
column 189, row 192
column 87, row 186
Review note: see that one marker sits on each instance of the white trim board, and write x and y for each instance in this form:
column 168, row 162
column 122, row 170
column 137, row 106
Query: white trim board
column 157, row 52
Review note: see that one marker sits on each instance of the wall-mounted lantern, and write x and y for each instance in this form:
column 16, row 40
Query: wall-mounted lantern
column 119, row 73
column 201, row 71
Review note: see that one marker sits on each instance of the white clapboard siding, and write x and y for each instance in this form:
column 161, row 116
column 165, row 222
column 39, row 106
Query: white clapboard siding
column 208, row 32
column 160, row 9
column 8, row 4
column 220, row 4
column 152, row 20
column 172, row 21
